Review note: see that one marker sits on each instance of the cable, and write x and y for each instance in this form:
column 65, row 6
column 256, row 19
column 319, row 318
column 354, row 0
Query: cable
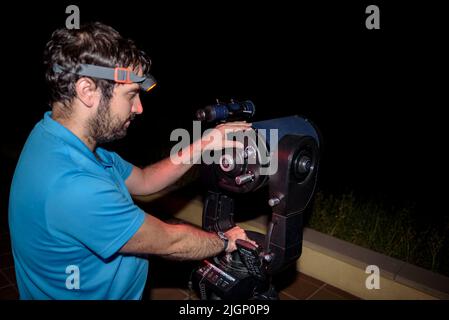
column 190, row 285
column 203, row 293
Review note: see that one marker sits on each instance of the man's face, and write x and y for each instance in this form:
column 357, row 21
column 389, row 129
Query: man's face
column 113, row 117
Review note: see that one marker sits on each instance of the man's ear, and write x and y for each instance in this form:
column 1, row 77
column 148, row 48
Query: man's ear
column 87, row 92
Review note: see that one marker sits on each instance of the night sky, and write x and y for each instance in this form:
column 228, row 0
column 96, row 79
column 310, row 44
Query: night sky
column 377, row 96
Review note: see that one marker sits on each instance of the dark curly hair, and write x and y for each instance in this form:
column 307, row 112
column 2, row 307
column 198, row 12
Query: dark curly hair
column 94, row 43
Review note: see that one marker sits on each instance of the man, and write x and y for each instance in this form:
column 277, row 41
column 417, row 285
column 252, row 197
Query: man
column 75, row 231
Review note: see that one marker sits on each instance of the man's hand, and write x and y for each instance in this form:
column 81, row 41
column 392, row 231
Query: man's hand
column 217, row 139
column 163, row 173
column 234, row 234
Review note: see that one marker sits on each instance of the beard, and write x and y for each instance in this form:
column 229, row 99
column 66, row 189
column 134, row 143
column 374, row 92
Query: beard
column 105, row 127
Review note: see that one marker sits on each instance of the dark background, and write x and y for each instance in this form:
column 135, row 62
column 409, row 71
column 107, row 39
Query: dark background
column 377, row 96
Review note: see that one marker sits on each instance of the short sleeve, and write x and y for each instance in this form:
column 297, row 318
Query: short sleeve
column 124, row 167
column 94, row 212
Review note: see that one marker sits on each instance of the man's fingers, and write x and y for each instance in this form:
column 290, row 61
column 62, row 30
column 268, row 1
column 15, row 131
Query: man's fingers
column 232, row 129
column 237, row 129
column 231, row 125
column 251, row 241
column 233, row 144
column 254, row 243
column 235, row 123
column 246, row 238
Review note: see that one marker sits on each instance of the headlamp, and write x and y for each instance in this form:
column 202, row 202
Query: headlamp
column 118, row 74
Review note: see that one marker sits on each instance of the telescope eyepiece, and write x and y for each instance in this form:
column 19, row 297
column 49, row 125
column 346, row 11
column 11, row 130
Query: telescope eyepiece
column 222, row 112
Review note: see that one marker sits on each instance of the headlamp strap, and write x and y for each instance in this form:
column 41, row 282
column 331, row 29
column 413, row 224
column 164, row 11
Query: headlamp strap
column 118, row 74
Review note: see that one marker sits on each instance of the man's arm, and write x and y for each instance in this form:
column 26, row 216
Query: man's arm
column 160, row 175
column 179, row 241
column 155, row 177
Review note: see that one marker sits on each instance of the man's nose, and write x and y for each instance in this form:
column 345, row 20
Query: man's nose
column 137, row 106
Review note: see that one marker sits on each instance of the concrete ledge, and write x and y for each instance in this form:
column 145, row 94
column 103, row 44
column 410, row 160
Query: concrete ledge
column 343, row 264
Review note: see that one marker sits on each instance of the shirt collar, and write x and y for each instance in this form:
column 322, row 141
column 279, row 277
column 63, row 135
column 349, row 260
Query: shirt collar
column 58, row 130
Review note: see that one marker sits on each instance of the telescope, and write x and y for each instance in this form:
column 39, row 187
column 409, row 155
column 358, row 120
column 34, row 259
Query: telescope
column 282, row 155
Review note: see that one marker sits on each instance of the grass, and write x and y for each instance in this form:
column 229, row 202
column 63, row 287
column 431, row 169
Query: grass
column 396, row 232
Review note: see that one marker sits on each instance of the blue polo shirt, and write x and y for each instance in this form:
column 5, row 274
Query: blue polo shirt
column 69, row 215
